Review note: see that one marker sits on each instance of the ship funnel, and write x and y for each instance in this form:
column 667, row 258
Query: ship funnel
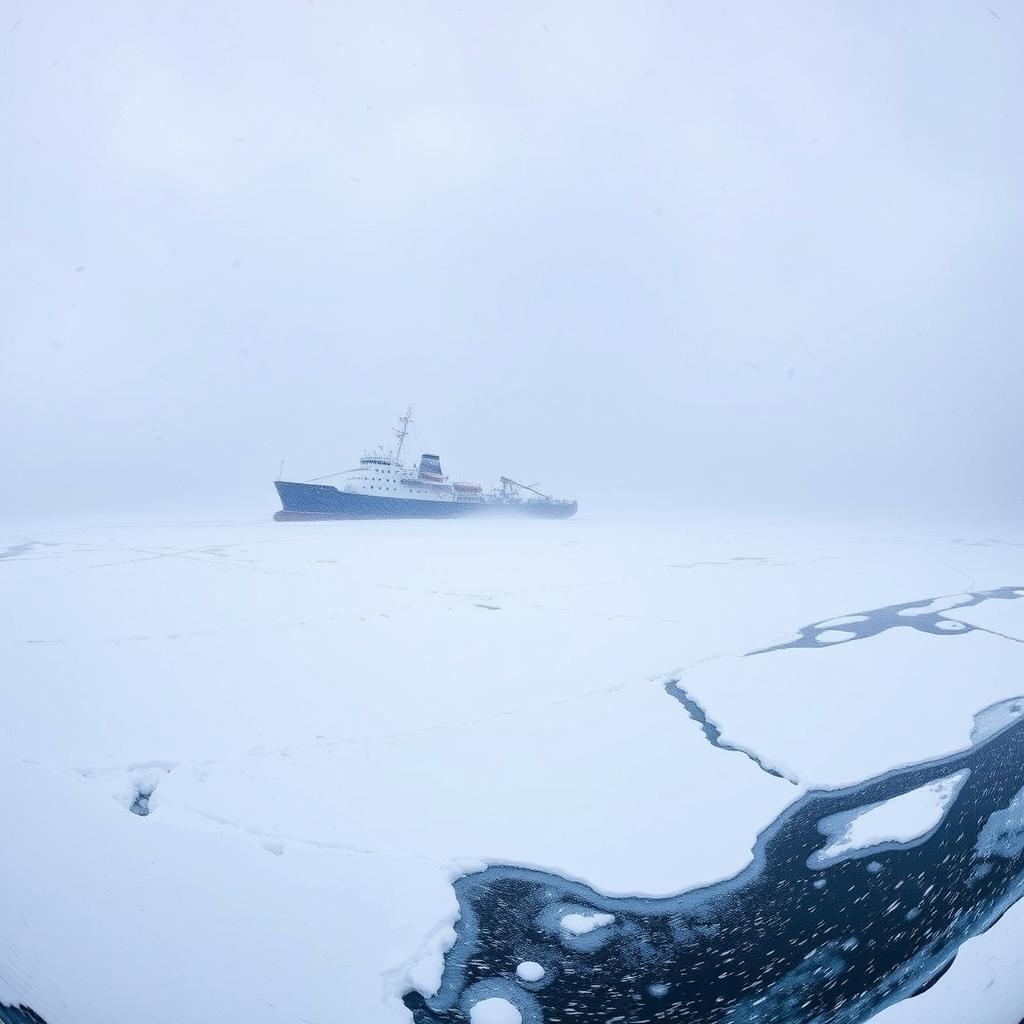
column 430, row 466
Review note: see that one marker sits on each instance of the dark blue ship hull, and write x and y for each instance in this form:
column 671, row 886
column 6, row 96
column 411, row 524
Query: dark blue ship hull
column 319, row 501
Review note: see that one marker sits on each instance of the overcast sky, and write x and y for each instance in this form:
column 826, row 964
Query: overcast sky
column 740, row 256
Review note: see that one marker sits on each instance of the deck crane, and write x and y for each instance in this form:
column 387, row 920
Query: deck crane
column 508, row 488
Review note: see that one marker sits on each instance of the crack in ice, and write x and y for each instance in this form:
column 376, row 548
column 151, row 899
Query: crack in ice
column 714, row 735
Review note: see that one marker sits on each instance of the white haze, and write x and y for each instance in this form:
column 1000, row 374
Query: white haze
column 743, row 257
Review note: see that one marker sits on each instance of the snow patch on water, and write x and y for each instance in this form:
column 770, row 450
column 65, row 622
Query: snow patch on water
column 834, row 636
column 580, row 924
column 530, row 970
column 904, row 819
column 495, row 1011
column 1003, row 834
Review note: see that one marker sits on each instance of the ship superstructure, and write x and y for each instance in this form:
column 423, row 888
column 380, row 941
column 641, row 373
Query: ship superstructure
column 382, row 486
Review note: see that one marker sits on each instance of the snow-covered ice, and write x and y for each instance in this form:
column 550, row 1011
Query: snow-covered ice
column 244, row 764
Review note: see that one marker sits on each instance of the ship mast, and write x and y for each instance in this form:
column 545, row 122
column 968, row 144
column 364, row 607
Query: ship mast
column 401, row 434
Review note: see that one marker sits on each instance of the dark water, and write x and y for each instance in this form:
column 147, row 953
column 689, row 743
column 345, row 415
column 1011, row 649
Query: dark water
column 862, row 625
column 796, row 937
column 18, row 1015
